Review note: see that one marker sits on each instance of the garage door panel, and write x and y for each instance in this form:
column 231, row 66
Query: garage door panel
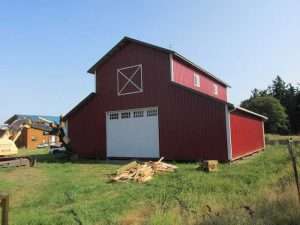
column 133, row 134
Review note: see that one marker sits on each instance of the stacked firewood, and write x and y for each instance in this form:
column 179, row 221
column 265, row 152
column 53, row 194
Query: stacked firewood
column 142, row 172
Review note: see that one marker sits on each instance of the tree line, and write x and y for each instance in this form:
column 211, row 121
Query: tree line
column 280, row 102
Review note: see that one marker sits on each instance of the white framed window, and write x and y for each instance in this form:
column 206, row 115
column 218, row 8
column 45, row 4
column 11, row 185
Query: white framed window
column 216, row 89
column 138, row 114
column 152, row 112
column 125, row 115
column 114, row 116
column 196, row 80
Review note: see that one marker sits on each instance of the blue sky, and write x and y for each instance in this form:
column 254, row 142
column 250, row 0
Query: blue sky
column 46, row 46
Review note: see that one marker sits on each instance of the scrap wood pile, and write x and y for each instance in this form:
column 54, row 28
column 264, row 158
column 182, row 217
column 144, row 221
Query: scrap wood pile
column 142, row 172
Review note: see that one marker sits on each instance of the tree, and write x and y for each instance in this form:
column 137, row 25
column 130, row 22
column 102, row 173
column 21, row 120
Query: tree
column 259, row 93
column 270, row 107
column 279, row 90
column 297, row 114
column 290, row 103
column 288, row 96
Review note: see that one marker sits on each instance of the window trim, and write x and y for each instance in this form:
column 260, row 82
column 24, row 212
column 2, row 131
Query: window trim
column 125, row 113
column 113, row 116
column 152, row 112
column 197, row 80
column 216, row 89
column 140, row 89
column 138, row 114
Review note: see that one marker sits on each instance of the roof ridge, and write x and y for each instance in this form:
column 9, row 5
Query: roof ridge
column 169, row 51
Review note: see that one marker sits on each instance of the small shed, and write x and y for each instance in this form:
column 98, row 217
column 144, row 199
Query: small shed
column 247, row 132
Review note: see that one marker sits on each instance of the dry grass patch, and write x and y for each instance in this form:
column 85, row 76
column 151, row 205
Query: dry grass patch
column 27, row 182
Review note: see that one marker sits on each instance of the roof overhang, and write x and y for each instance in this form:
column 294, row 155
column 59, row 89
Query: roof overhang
column 79, row 105
column 238, row 108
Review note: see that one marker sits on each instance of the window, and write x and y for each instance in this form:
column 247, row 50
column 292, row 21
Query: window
column 196, row 80
column 113, row 116
column 216, row 89
column 138, row 114
column 152, row 112
column 125, row 115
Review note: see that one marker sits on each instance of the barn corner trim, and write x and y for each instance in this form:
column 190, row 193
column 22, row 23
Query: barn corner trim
column 228, row 133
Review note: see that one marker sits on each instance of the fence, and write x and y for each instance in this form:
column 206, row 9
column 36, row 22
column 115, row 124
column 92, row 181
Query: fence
column 281, row 142
column 4, row 202
column 293, row 156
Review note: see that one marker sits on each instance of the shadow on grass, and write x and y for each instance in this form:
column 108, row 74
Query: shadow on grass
column 49, row 158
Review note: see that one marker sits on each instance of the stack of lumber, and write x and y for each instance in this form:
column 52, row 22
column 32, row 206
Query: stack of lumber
column 142, row 172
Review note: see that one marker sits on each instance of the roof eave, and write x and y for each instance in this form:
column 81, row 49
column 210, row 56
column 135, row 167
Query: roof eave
column 250, row 112
column 79, row 105
column 119, row 44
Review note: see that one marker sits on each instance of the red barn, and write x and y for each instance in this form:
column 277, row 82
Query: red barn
column 152, row 102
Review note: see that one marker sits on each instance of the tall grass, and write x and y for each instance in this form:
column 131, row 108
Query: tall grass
column 257, row 190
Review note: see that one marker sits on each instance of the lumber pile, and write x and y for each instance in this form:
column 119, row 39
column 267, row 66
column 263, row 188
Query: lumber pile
column 142, row 172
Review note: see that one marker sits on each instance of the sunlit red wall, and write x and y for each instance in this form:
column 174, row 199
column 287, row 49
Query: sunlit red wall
column 184, row 75
column 247, row 133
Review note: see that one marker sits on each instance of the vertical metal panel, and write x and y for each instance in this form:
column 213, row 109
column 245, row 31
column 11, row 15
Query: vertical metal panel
column 191, row 126
column 184, row 75
column 228, row 131
column 247, row 134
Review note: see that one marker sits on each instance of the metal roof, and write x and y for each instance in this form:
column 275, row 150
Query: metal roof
column 33, row 118
column 126, row 40
column 250, row 112
column 79, row 105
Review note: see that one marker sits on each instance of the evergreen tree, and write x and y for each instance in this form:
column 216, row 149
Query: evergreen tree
column 278, row 90
column 288, row 96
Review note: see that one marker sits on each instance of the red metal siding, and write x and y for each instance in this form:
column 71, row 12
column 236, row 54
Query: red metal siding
column 84, row 130
column 247, row 134
column 184, row 75
column 187, row 121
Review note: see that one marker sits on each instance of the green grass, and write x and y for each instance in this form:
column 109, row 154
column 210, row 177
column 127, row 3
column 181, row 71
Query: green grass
column 277, row 137
column 64, row 193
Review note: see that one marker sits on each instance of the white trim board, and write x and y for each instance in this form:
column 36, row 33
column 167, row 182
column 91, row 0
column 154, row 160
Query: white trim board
column 228, row 133
column 171, row 67
column 129, row 80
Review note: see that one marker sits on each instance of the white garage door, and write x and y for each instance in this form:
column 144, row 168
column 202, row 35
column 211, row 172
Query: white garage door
column 132, row 133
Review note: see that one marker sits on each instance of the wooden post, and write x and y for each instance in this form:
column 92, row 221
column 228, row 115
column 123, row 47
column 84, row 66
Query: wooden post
column 294, row 162
column 4, row 202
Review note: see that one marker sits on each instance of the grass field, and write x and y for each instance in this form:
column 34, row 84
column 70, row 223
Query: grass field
column 277, row 137
column 257, row 190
